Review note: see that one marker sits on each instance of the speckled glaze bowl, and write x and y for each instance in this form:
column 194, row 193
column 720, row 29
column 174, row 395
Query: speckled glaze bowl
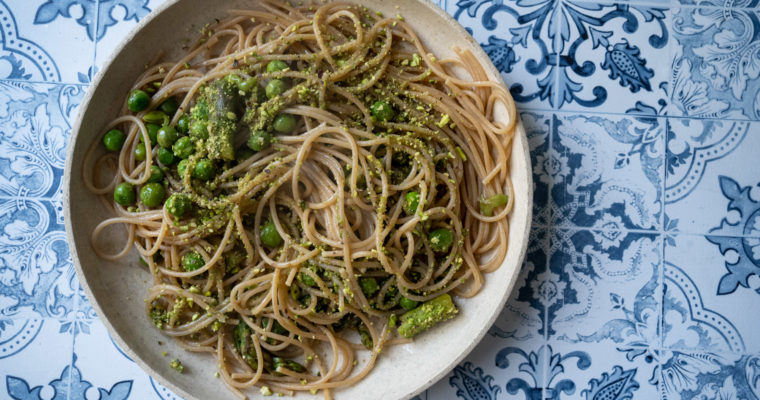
column 116, row 289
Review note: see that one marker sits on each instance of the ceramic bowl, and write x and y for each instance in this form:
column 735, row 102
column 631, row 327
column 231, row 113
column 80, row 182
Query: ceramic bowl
column 116, row 289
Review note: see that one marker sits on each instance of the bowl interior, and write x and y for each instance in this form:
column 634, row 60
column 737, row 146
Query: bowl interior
column 117, row 289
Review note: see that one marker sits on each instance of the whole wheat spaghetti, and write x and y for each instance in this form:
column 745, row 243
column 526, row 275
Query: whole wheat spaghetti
column 307, row 184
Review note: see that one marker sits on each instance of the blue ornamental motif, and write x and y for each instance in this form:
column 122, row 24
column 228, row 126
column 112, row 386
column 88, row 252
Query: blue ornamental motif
column 543, row 367
column 725, row 236
column 710, row 376
column 471, row 384
column 636, row 328
column 559, row 29
column 717, row 59
column 69, row 386
column 618, row 385
column 692, row 146
column 501, row 53
column 36, row 275
column 96, row 16
column 22, row 58
column 624, row 62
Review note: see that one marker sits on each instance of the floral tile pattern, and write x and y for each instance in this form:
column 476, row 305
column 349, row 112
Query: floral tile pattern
column 711, row 176
column 643, row 266
column 714, row 67
column 609, row 171
column 27, row 51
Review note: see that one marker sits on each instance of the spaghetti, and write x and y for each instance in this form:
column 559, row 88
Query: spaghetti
column 307, row 183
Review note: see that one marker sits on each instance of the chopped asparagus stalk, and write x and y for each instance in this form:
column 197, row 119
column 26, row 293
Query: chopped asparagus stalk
column 426, row 315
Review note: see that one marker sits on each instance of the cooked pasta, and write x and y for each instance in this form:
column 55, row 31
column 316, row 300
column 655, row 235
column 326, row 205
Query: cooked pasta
column 307, row 184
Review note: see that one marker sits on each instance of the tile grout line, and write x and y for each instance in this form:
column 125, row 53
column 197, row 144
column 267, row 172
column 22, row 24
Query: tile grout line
column 65, row 83
column 549, row 220
column 95, row 39
column 653, row 232
column 555, row 104
column 660, row 345
column 77, row 300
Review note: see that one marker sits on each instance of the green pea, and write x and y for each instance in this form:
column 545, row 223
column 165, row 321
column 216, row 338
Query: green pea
column 165, row 156
column 248, row 84
column 152, row 132
column 192, row 261
column 259, row 140
column 114, row 140
column 284, row 123
column 382, row 111
column 138, row 100
column 199, row 129
column 155, row 117
column 156, row 175
column 275, row 87
column 408, row 304
column 441, row 239
column 166, row 136
column 183, row 147
column 270, row 236
column 169, row 106
column 204, row 170
column 124, row 194
column 369, row 286
column 183, row 124
column 412, row 202
column 140, row 152
column 181, row 168
column 152, row 194
column 178, row 204
column 243, row 154
column 277, row 65
column 234, row 79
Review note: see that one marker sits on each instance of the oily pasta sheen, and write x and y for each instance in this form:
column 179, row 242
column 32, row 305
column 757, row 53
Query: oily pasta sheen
column 307, row 185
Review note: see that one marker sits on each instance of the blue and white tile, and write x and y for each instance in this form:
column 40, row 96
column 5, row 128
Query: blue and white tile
column 609, row 171
column 518, row 36
column 608, row 287
column 104, row 366
column 712, row 177
column 117, row 19
column 748, row 4
column 600, row 371
column 35, row 124
column 37, row 278
column 36, row 364
column 612, row 58
column 523, row 317
column 538, row 128
column 710, row 286
column 497, row 368
column 46, row 40
column 709, row 376
column 715, row 63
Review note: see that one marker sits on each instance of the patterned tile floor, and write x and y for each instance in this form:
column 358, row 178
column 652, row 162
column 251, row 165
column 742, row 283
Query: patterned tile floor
column 643, row 274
